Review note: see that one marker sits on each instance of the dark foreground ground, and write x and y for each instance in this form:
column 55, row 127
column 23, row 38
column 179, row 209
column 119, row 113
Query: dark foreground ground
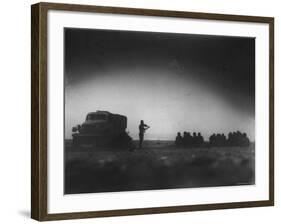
column 158, row 166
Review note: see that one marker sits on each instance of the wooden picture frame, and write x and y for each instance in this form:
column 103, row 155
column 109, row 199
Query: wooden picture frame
column 39, row 110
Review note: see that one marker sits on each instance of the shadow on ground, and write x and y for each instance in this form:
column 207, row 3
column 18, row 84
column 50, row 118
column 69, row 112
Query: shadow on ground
column 158, row 166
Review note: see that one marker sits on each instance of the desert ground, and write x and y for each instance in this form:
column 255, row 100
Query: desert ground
column 159, row 165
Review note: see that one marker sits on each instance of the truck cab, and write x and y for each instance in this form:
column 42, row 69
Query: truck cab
column 100, row 127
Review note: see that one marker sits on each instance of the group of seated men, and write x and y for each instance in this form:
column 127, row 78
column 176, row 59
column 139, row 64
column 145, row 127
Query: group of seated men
column 188, row 140
column 196, row 139
column 234, row 139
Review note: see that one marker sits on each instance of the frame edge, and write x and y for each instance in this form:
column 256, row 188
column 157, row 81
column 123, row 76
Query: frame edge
column 38, row 112
column 154, row 12
column 271, row 111
column 35, row 191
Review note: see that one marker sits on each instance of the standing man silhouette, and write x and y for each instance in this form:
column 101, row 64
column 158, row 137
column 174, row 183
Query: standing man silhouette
column 142, row 128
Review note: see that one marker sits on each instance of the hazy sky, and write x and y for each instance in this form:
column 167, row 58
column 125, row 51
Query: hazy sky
column 174, row 82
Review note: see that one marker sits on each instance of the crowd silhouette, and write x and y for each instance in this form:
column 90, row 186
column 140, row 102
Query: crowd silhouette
column 215, row 140
column 234, row 139
column 188, row 140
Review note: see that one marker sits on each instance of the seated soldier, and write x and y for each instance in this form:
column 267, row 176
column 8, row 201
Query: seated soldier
column 212, row 140
column 235, row 138
column 218, row 140
column 223, row 139
column 185, row 139
column 178, row 141
column 230, row 139
column 239, row 138
column 245, row 140
column 200, row 139
column 189, row 139
column 194, row 139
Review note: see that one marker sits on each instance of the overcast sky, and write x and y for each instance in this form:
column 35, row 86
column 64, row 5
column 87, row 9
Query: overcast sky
column 174, row 82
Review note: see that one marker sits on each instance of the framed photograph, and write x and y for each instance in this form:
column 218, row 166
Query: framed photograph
column 140, row 111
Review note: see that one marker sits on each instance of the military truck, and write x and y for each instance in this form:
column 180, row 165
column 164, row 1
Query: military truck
column 102, row 128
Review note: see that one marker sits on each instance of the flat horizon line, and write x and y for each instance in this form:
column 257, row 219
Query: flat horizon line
column 156, row 140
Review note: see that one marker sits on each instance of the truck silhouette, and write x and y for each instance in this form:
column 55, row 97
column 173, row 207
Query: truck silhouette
column 102, row 128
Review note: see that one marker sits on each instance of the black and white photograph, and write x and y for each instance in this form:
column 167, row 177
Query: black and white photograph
column 154, row 111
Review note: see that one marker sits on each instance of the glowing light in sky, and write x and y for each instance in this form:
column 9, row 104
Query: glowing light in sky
column 166, row 103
